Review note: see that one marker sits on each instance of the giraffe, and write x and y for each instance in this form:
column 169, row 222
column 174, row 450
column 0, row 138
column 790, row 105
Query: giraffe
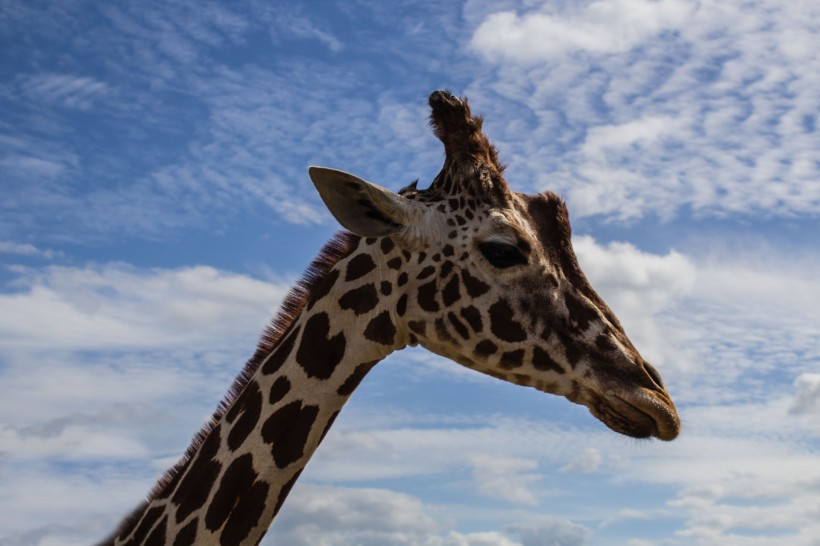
column 466, row 268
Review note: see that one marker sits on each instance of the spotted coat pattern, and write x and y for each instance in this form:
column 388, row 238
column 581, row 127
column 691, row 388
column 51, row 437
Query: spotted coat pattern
column 536, row 323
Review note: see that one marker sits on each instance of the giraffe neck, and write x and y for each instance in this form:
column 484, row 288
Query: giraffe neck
column 235, row 480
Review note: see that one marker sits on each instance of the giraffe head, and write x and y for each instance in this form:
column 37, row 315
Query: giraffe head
column 488, row 278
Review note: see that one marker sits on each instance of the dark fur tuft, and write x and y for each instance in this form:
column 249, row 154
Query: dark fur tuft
column 467, row 149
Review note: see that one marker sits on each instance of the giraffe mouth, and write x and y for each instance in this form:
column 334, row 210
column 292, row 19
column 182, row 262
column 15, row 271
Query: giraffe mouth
column 645, row 414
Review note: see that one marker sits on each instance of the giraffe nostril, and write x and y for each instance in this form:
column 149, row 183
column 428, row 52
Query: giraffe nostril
column 653, row 373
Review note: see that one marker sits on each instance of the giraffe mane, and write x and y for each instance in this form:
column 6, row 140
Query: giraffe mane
column 339, row 246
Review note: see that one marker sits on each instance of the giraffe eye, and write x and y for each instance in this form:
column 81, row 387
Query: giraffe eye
column 502, row 255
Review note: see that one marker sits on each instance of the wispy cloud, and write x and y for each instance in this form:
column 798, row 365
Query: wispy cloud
column 807, row 398
column 599, row 27
column 117, row 306
column 123, row 357
column 551, row 531
column 147, row 317
column 259, row 125
column 133, row 120
column 289, row 22
column 707, row 108
column 506, row 478
column 639, row 286
column 337, row 516
column 25, row 249
column 587, row 461
column 69, row 91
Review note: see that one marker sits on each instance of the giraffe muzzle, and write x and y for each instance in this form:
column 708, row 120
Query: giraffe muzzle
column 640, row 414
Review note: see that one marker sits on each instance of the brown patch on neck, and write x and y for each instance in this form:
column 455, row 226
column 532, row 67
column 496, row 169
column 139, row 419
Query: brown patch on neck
column 311, row 283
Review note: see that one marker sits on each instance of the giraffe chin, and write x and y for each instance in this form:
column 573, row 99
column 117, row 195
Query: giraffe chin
column 642, row 415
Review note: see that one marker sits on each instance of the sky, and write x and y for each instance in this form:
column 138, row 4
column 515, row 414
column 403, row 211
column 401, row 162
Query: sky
column 156, row 207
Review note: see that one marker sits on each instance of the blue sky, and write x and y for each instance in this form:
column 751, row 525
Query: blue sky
column 156, row 207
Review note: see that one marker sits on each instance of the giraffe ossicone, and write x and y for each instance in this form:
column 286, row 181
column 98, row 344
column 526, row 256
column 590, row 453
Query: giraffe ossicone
column 467, row 268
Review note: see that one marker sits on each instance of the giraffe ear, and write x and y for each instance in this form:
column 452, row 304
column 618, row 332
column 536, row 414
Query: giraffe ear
column 363, row 208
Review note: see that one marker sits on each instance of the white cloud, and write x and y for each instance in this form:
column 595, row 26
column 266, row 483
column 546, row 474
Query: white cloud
column 428, row 444
column 41, row 167
column 708, row 108
column 115, row 348
column 744, row 512
column 680, row 298
column 742, row 472
column 601, row 27
column 491, row 538
column 729, row 351
column 638, row 286
column 629, row 108
column 547, row 531
column 336, row 516
column 738, row 341
column 68, row 90
column 760, row 454
column 114, row 368
column 43, row 504
column 118, row 306
column 287, row 21
column 238, row 142
column 30, row 159
column 703, row 318
column 90, row 406
column 807, row 397
column 506, row 478
column 604, row 138
column 65, row 435
column 588, row 460
column 25, row 249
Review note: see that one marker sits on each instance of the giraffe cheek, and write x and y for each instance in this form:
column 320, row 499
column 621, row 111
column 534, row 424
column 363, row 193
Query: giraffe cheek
column 485, row 348
column 443, row 334
column 542, row 361
column 458, row 326
column 427, row 297
column 451, row 292
column 401, row 305
column 512, row 359
column 580, row 315
column 502, row 324
column 473, row 317
column 474, row 286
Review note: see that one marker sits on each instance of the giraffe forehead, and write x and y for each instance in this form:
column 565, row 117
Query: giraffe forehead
column 547, row 218
column 504, row 225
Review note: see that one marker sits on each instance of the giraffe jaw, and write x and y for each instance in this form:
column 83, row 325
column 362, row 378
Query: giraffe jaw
column 643, row 414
